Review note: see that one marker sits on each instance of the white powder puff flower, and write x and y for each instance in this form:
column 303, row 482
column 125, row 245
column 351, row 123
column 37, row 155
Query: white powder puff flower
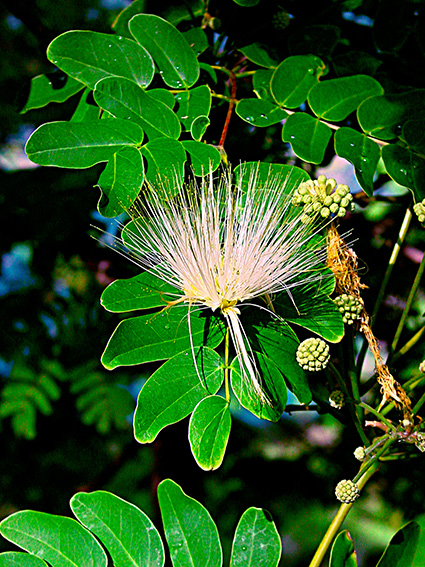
column 222, row 245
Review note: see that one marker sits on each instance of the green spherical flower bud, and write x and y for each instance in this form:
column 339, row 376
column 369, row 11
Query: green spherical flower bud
column 334, row 208
column 325, row 212
column 347, row 491
column 422, row 367
column 337, row 399
column 350, row 307
column 313, row 354
column 360, row 453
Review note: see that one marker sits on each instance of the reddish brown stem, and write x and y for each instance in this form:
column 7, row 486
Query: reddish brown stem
column 230, row 109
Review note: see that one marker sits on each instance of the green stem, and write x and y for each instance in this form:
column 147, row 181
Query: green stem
column 394, row 255
column 410, row 343
column 226, row 364
column 338, row 520
column 378, row 415
column 357, row 424
column 406, row 309
column 373, row 461
column 418, row 405
column 353, row 375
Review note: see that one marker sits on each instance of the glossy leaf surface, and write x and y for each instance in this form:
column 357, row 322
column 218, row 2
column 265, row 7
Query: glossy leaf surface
column 191, row 534
column 307, row 135
column 272, row 384
column 192, row 104
column 293, row 79
column 335, row 99
column 260, row 112
column 90, row 56
column 362, row 152
column 79, row 145
column 400, row 552
column 176, row 61
column 406, row 168
column 120, row 182
column 209, row 431
column 343, row 553
column 173, row 391
column 143, row 291
column 20, row 559
column 257, row 542
column 124, row 99
column 126, row 532
column 160, row 336
column 43, row 535
column 45, row 89
column 203, row 157
column 165, row 157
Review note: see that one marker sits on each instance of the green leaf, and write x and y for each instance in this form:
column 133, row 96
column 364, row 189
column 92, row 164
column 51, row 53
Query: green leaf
column 293, row 79
column 43, row 535
column 164, row 96
column 85, row 110
column 127, row 533
column 204, row 157
column 124, row 99
column 19, row 559
column 406, row 168
column 191, row 534
column 197, row 40
column 261, row 84
column 165, row 157
column 173, row 391
column 413, row 133
column 50, row 88
column 343, row 553
column 257, row 542
column 259, row 53
column 277, row 341
column 335, row 99
column 143, row 291
column 260, row 112
column 400, row 552
column 310, row 307
column 307, row 135
column 209, row 431
column 290, row 175
column 272, row 384
column 198, row 127
column 120, row 182
column 79, row 145
column 90, row 56
column 176, row 61
column 193, row 104
column 247, row 3
column 362, row 152
column 159, row 336
column 383, row 116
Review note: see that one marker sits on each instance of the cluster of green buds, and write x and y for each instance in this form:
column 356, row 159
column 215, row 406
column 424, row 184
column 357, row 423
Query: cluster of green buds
column 360, row 453
column 337, row 399
column 281, row 20
column 347, row 491
column 323, row 196
column 419, row 209
column 313, row 354
column 350, row 307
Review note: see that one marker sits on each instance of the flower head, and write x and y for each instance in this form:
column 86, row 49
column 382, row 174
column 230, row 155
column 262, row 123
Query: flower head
column 222, row 244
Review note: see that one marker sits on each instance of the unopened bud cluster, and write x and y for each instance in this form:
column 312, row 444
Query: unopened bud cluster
column 324, row 197
column 360, row 453
column 347, row 491
column 350, row 307
column 281, row 20
column 419, row 209
column 313, row 354
column 420, row 441
column 337, row 399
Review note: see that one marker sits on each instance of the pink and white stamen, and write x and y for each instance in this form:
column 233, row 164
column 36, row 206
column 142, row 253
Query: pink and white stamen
column 223, row 244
